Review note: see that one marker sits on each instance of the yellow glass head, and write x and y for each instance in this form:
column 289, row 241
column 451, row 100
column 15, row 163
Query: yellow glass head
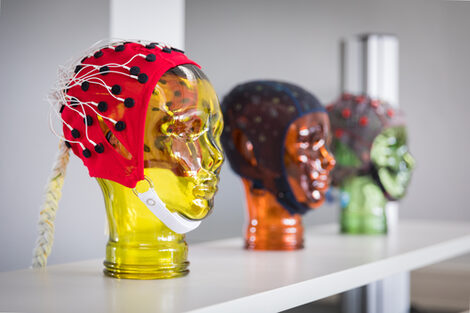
column 182, row 158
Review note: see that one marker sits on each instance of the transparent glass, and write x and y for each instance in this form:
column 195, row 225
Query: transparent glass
column 364, row 198
column 270, row 226
column 307, row 164
column 182, row 157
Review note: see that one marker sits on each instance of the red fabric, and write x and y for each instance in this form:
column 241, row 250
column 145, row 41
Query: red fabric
column 110, row 164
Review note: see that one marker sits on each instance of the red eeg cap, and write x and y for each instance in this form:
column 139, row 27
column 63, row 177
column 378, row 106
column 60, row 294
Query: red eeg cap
column 99, row 83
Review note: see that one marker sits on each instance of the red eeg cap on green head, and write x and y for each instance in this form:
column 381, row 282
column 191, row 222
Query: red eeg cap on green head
column 114, row 85
column 355, row 122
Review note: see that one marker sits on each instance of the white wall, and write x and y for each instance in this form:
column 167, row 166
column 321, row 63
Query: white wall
column 154, row 20
column 297, row 41
column 36, row 37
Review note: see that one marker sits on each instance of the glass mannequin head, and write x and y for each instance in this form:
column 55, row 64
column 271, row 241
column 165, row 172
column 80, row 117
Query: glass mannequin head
column 370, row 138
column 276, row 136
column 141, row 113
column 182, row 151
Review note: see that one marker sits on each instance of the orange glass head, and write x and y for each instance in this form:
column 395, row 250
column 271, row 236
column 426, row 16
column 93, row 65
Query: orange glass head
column 275, row 138
column 307, row 160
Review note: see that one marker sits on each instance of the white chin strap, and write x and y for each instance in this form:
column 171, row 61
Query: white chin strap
column 172, row 220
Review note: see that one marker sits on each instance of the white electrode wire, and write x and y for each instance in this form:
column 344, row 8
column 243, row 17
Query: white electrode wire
column 97, row 73
column 86, row 124
column 124, row 65
column 66, row 72
column 103, row 84
column 110, row 65
column 84, row 116
column 94, row 74
column 162, row 45
column 51, row 127
column 87, row 103
column 78, row 112
column 101, row 44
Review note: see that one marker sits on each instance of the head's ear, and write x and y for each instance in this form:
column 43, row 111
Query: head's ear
column 244, row 146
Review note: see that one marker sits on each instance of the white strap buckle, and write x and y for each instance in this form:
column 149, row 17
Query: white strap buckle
column 172, row 220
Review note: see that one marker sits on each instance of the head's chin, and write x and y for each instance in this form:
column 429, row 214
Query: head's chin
column 200, row 208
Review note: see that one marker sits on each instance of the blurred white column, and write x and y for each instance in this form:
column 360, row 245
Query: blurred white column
column 154, row 20
column 369, row 66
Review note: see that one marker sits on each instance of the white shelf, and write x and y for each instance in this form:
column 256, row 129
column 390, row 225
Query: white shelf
column 226, row 278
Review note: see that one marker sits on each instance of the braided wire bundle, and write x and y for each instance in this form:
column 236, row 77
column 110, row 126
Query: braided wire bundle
column 53, row 193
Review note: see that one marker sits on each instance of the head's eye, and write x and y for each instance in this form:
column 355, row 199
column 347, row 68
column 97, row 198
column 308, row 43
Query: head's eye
column 194, row 127
column 183, row 129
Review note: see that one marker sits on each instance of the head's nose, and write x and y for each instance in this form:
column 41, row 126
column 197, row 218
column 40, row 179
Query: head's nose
column 216, row 160
column 214, row 157
column 409, row 160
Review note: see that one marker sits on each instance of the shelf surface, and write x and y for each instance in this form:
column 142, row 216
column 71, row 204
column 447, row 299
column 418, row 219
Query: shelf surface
column 226, row 278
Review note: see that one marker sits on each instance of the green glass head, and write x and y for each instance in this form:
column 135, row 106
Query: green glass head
column 392, row 160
